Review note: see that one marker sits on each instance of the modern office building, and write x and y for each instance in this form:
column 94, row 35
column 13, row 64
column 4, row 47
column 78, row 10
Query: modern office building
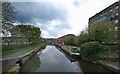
column 109, row 14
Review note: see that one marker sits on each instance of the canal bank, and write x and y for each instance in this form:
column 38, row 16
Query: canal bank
column 14, row 64
column 94, row 66
column 51, row 60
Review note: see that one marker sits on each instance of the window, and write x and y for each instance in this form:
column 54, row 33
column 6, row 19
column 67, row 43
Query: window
column 110, row 29
column 110, row 22
column 116, row 21
column 105, row 13
column 116, row 28
column 104, row 31
column 116, row 7
column 111, row 10
column 117, row 14
column 116, row 36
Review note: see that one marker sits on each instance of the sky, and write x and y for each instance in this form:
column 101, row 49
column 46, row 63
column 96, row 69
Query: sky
column 58, row 17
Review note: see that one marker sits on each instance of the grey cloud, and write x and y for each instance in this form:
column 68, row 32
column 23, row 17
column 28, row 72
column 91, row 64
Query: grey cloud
column 77, row 3
column 42, row 13
column 57, row 30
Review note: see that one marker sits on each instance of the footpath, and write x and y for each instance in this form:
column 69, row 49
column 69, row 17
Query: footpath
column 114, row 66
column 17, row 54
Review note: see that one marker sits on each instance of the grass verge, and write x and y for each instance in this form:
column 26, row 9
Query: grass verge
column 8, row 52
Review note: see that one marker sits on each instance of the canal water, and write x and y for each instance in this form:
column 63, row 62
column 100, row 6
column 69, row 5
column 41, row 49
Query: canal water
column 53, row 60
column 92, row 67
column 50, row 60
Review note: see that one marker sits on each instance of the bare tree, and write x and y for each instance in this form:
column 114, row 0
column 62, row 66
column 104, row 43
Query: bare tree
column 8, row 17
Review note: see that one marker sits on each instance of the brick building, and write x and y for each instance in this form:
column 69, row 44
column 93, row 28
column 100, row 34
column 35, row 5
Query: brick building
column 109, row 14
column 60, row 40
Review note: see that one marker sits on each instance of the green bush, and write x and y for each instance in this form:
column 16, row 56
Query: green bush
column 91, row 50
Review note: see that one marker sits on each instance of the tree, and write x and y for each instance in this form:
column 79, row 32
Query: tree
column 70, row 41
column 102, row 32
column 8, row 17
column 27, row 31
column 91, row 50
column 77, row 41
column 83, row 37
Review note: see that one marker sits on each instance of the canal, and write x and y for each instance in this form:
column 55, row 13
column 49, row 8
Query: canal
column 50, row 60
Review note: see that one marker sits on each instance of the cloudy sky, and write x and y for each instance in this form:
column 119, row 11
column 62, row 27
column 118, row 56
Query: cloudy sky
column 58, row 17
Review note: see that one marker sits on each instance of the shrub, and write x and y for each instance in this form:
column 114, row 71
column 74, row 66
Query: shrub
column 91, row 50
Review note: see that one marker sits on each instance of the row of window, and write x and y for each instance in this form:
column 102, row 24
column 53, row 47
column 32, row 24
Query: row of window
column 103, row 18
column 117, row 7
column 116, row 29
column 110, row 29
column 110, row 11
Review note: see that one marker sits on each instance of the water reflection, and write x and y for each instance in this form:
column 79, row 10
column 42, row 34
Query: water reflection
column 90, row 67
column 32, row 64
column 50, row 60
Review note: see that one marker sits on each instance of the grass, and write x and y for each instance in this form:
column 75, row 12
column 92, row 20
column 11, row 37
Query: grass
column 11, row 51
column 8, row 52
column 0, row 54
column 13, row 46
column 0, row 50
